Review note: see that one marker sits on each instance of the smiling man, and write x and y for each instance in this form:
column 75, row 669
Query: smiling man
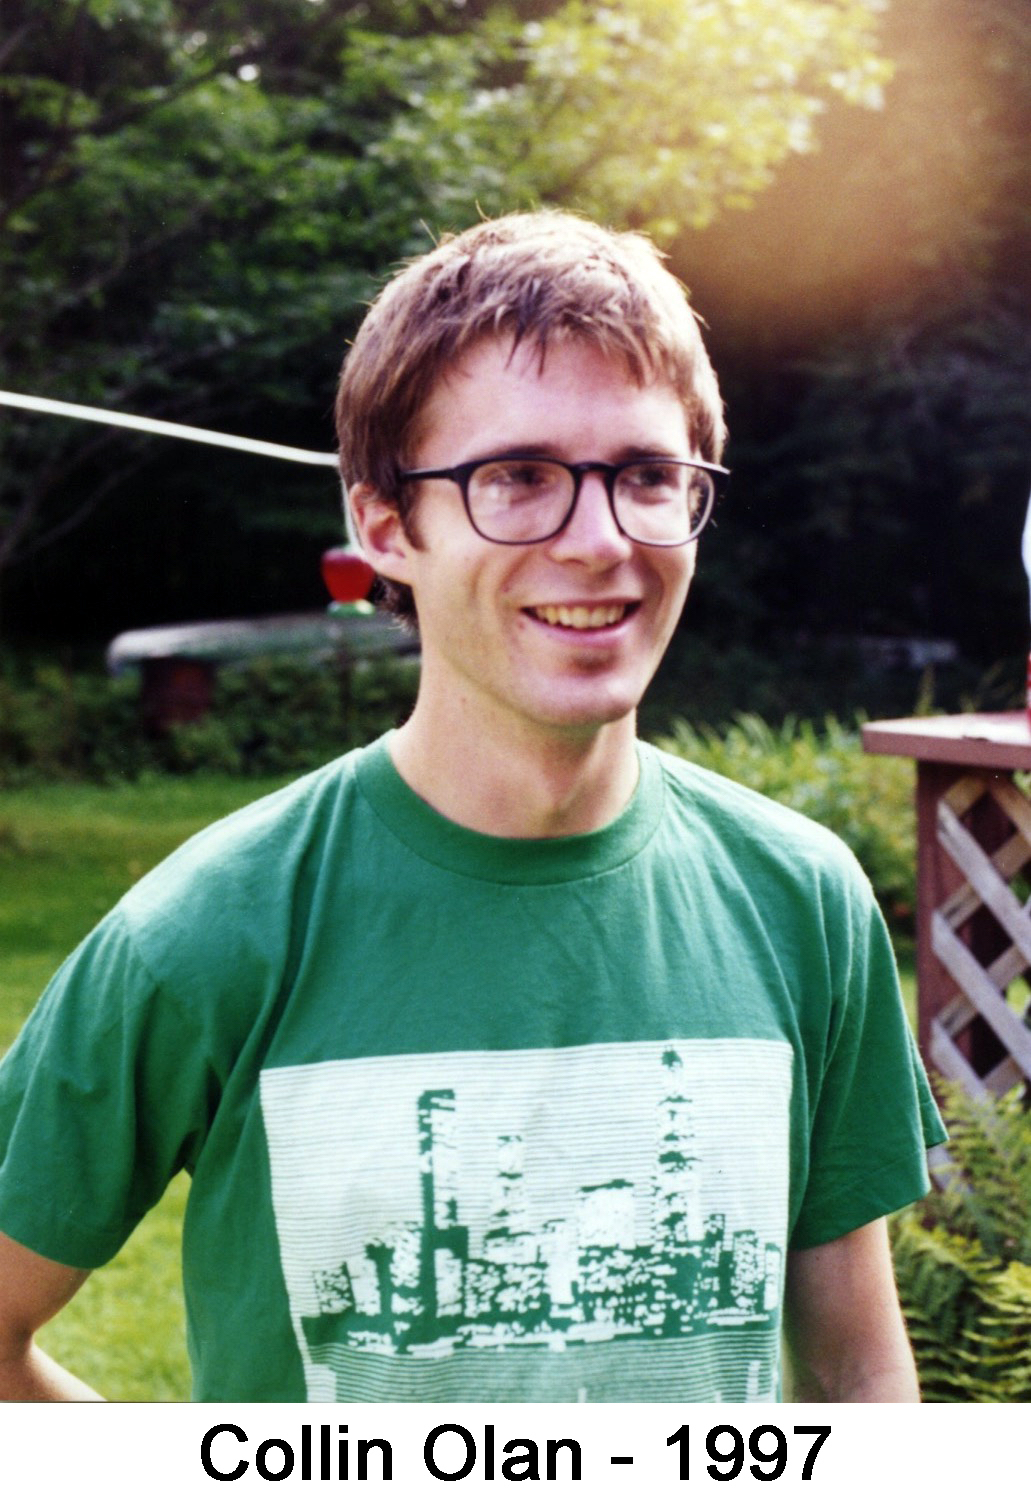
column 510, row 1059
column 543, row 619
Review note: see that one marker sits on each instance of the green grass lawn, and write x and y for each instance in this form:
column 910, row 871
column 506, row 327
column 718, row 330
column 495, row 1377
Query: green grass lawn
column 66, row 855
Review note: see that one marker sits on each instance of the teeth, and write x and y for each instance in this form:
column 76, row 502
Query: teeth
column 580, row 617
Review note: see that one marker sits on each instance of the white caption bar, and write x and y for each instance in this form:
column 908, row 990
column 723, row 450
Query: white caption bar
column 117, row 1454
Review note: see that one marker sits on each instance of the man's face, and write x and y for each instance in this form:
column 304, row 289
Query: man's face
column 561, row 634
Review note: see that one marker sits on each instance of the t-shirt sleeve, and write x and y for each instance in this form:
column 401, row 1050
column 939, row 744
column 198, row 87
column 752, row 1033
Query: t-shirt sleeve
column 104, row 1096
column 872, row 1114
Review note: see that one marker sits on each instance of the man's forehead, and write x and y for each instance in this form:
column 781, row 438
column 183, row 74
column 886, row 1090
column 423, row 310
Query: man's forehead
column 503, row 395
column 529, row 351
column 530, row 357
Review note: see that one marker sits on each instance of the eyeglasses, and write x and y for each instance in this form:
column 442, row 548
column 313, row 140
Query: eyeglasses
column 662, row 502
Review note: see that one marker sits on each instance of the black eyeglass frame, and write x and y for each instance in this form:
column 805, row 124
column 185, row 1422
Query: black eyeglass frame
column 460, row 475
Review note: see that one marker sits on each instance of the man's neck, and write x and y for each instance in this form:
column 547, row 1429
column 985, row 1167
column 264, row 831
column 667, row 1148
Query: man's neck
column 555, row 783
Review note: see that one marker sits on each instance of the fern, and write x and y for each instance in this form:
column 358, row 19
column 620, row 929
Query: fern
column 988, row 1196
column 963, row 1261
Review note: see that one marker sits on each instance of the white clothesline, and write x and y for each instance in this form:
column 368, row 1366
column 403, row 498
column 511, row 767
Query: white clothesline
column 182, row 431
column 170, row 430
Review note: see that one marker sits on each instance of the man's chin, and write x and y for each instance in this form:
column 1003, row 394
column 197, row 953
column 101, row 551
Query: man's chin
column 585, row 716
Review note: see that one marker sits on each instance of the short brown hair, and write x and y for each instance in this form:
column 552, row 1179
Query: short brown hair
column 536, row 276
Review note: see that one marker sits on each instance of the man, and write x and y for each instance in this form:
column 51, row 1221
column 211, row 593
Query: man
column 510, row 1059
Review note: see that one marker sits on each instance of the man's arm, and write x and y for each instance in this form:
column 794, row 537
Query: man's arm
column 845, row 1330
column 32, row 1290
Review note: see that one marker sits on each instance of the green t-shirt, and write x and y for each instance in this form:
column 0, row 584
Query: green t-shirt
column 471, row 1118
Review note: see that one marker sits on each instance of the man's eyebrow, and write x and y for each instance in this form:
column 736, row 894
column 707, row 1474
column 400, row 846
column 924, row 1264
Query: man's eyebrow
column 649, row 452
column 519, row 452
column 628, row 455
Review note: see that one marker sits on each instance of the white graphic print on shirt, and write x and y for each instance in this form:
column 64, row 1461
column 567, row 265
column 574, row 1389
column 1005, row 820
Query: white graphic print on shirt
column 608, row 1213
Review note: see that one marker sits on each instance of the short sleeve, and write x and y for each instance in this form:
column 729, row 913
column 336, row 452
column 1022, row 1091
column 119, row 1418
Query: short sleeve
column 102, row 1100
column 873, row 1117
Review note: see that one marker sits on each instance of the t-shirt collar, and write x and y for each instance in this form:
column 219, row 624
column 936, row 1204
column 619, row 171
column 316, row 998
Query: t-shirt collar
column 502, row 859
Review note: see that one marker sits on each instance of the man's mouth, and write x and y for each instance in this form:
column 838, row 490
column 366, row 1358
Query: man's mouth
column 584, row 618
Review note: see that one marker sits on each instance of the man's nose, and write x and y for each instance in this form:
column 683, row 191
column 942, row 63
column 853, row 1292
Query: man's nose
column 592, row 534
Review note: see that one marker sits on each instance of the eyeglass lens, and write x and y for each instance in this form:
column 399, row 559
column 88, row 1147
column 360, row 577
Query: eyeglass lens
column 656, row 501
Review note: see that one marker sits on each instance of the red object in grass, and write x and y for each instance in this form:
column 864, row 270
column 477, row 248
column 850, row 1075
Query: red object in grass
column 348, row 575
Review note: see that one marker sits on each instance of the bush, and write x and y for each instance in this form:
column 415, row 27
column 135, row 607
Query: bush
column 963, row 1259
column 54, row 724
column 822, row 771
column 278, row 716
column 269, row 717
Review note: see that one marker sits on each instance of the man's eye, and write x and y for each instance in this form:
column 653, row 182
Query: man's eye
column 530, row 476
column 653, row 477
column 516, row 475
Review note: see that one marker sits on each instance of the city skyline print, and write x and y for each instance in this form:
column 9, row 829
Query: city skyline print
column 585, row 1221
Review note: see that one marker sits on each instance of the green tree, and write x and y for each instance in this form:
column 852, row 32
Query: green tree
column 871, row 319
column 662, row 113
column 198, row 197
column 192, row 209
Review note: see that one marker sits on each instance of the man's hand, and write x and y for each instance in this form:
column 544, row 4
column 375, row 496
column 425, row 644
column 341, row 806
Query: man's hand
column 32, row 1290
column 845, row 1330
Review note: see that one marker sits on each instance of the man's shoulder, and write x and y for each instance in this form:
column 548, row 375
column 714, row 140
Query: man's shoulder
column 237, row 882
column 272, row 821
column 748, row 823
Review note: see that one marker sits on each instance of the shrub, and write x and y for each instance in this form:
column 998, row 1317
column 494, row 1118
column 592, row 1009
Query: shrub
column 268, row 717
column 963, row 1259
column 278, row 716
column 822, row 771
column 54, row 724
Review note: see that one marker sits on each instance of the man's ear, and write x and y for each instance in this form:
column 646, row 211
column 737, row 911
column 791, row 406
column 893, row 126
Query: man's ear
column 381, row 532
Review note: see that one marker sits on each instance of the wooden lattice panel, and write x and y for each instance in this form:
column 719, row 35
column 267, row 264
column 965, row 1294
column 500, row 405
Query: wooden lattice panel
column 987, row 889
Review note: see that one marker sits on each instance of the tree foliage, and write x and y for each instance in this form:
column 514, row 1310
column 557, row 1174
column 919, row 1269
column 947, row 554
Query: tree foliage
column 873, row 326
column 657, row 113
column 198, row 197
column 192, row 212
column 916, row 439
column 915, row 426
